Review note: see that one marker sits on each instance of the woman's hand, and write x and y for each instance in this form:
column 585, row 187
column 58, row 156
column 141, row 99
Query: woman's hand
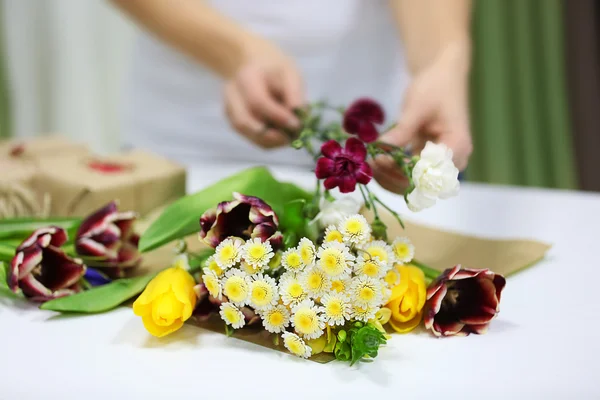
column 261, row 94
column 436, row 109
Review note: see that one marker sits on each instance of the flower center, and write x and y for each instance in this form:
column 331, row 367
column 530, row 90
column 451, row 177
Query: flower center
column 334, row 308
column 295, row 290
column 344, row 165
column 276, row 318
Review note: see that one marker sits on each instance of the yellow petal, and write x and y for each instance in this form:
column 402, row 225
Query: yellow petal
column 317, row 345
column 160, row 284
column 182, row 285
column 407, row 326
column 383, row 315
column 160, row 331
column 166, row 309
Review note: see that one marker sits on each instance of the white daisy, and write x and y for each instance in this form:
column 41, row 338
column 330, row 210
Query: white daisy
column 257, row 253
column 333, row 235
column 232, row 315
column 263, row 292
column 403, row 249
column 335, row 259
column 372, row 267
column 249, row 269
column 386, row 293
column 307, row 251
column 212, row 283
column 290, row 289
column 275, row 319
column 211, row 265
column 379, row 248
column 296, row 345
column 306, row 320
column 392, row 277
column 341, row 285
column 363, row 313
column 355, row 229
column 236, row 286
column 292, row 260
column 228, row 252
column 366, row 291
column 335, row 308
column 315, row 282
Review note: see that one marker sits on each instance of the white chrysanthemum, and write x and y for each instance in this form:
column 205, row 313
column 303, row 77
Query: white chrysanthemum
column 263, row 292
column 379, row 248
column 333, row 235
column 228, row 252
column 257, row 253
column 355, row 229
column 386, row 293
column 335, row 259
column 392, row 277
column 369, row 266
column 335, row 308
column 232, row 315
column 306, row 320
column 275, row 319
column 307, row 251
column 249, row 269
column 403, row 249
column 212, row 283
column 292, row 260
column 366, row 291
column 296, row 345
column 341, row 285
column 334, row 212
column 290, row 289
column 211, row 265
column 363, row 313
column 315, row 282
column 236, row 286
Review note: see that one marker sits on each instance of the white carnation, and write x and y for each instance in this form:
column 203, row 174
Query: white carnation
column 334, row 212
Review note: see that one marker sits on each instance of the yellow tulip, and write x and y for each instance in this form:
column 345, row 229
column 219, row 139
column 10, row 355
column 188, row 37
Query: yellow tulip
column 167, row 302
column 407, row 299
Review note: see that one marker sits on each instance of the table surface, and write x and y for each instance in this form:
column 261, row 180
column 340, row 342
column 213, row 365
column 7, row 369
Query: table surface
column 544, row 343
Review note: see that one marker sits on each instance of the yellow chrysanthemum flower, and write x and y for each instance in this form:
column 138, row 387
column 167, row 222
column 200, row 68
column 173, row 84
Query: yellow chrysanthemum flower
column 212, row 283
column 315, row 282
column 335, row 308
column 355, row 229
column 333, row 235
column 296, row 345
column 236, row 286
column 290, row 289
column 263, row 292
column 403, row 250
column 335, row 259
column 232, row 315
column 306, row 319
column 366, row 291
column 257, row 253
column 292, row 260
column 211, row 265
column 276, row 319
column 372, row 267
column 228, row 252
column 307, row 251
column 380, row 249
column 392, row 277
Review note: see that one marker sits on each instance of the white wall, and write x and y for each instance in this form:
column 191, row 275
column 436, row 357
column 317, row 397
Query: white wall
column 67, row 60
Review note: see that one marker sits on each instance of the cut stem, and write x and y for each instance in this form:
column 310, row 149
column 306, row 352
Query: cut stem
column 429, row 272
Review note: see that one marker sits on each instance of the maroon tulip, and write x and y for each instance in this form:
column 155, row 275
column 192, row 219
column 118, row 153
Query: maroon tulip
column 207, row 306
column 244, row 217
column 343, row 167
column 107, row 235
column 360, row 119
column 463, row 301
column 42, row 270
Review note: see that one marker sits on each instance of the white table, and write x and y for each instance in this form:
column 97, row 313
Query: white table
column 544, row 344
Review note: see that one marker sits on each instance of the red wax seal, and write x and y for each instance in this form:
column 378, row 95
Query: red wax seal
column 17, row 150
column 107, row 167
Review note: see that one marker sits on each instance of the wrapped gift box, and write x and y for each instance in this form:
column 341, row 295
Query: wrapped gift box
column 138, row 180
column 34, row 149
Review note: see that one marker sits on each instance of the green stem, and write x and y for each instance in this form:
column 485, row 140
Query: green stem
column 394, row 213
column 427, row 270
column 367, row 202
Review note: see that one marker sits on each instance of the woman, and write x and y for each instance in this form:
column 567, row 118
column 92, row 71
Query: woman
column 212, row 65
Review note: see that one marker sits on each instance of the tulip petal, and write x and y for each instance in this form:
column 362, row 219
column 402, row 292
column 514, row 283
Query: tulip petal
column 331, row 149
column 276, row 241
column 128, row 256
column 34, row 289
column 125, row 221
column 406, row 326
column 89, row 247
column 52, row 235
column 59, row 271
column 325, row 168
column 31, row 258
column 98, row 220
column 158, row 330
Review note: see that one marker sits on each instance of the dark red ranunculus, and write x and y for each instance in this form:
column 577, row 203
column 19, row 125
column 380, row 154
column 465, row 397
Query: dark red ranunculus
column 360, row 119
column 42, row 270
column 343, row 167
column 463, row 301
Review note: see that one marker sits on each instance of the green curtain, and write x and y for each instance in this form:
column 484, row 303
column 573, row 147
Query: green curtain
column 520, row 120
column 4, row 91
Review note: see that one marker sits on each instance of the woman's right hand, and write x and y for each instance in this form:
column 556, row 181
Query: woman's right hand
column 261, row 94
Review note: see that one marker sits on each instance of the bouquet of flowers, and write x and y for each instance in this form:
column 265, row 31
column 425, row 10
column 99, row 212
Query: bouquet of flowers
column 309, row 269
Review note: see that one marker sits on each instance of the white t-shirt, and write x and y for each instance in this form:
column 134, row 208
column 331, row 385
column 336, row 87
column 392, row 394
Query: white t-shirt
column 345, row 49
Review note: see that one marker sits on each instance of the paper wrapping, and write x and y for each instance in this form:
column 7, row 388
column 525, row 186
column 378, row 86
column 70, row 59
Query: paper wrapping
column 439, row 249
column 138, row 180
column 33, row 149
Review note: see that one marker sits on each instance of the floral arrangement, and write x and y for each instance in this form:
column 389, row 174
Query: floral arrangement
column 308, row 269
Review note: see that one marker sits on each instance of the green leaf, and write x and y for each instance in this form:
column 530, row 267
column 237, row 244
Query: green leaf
column 4, row 289
column 181, row 218
column 7, row 252
column 101, row 298
column 21, row 228
column 292, row 219
column 365, row 341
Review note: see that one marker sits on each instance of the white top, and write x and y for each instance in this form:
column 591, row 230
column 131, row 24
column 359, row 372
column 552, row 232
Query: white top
column 345, row 49
column 543, row 345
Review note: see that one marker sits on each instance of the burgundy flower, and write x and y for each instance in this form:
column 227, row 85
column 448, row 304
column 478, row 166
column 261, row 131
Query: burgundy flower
column 107, row 235
column 343, row 167
column 208, row 306
column 42, row 270
column 360, row 119
column 244, row 217
column 463, row 301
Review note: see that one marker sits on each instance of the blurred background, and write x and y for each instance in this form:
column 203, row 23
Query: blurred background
column 535, row 90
